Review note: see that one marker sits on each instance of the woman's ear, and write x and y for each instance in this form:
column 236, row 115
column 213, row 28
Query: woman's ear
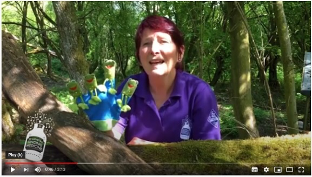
column 181, row 53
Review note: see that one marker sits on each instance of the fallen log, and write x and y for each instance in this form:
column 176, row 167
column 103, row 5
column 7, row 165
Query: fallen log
column 71, row 134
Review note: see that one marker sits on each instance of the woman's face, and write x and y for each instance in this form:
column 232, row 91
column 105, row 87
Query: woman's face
column 158, row 53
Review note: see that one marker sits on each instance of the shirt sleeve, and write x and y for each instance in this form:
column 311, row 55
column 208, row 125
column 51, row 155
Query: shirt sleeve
column 205, row 115
column 121, row 124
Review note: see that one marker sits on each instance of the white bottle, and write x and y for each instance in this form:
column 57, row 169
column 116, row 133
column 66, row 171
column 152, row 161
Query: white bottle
column 185, row 131
column 35, row 143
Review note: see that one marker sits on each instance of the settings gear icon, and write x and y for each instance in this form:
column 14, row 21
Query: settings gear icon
column 266, row 169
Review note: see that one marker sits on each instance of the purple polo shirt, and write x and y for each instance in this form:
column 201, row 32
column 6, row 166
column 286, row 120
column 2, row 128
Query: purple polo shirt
column 191, row 101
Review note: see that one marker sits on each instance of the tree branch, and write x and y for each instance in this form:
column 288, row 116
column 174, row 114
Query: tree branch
column 44, row 14
column 19, row 24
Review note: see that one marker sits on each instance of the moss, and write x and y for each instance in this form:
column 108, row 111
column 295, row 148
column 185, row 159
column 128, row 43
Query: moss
column 238, row 156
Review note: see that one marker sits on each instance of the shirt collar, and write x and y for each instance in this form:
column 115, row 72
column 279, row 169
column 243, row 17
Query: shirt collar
column 143, row 86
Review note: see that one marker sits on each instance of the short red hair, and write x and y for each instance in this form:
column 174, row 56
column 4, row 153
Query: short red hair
column 161, row 24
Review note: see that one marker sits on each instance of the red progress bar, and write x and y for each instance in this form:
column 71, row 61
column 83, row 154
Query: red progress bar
column 36, row 163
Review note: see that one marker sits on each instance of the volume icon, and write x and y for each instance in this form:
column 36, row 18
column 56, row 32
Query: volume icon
column 38, row 169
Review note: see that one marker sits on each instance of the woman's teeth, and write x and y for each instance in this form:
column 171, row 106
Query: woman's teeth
column 156, row 62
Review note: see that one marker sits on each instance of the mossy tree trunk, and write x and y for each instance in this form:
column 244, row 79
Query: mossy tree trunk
column 240, row 74
column 288, row 68
column 71, row 41
column 76, row 138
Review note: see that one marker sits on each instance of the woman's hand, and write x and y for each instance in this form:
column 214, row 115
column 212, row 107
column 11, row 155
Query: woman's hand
column 138, row 141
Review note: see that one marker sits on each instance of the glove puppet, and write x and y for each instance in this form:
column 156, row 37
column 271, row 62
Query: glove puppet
column 102, row 103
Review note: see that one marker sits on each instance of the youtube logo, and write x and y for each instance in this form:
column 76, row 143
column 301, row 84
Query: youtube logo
column 12, row 169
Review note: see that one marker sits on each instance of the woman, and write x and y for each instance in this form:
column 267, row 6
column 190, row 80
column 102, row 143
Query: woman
column 169, row 105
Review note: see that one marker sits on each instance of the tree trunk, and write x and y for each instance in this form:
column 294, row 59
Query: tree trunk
column 273, row 81
column 240, row 73
column 24, row 23
column 71, row 41
column 218, row 72
column 221, row 55
column 76, row 138
column 274, row 58
column 288, row 67
column 82, row 27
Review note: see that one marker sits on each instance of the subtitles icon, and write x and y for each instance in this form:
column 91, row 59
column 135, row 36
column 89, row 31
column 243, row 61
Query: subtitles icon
column 254, row 169
column 289, row 169
column 278, row 170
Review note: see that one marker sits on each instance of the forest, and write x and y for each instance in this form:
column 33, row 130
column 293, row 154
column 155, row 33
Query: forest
column 251, row 53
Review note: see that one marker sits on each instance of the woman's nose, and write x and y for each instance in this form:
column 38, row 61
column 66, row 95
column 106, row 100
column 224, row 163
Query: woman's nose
column 155, row 47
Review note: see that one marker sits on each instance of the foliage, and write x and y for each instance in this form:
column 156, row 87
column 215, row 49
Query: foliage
column 59, row 69
column 62, row 95
column 227, row 122
column 19, row 133
column 110, row 29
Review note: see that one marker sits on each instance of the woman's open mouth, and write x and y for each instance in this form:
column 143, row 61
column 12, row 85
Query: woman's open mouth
column 156, row 62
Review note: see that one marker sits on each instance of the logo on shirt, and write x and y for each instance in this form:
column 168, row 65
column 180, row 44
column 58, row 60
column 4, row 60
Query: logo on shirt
column 186, row 128
column 213, row 118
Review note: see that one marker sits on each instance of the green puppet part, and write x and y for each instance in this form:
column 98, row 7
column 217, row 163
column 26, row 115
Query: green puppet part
column 91, row 84
column 126, row 94
column 109, row 71
column 75, row 91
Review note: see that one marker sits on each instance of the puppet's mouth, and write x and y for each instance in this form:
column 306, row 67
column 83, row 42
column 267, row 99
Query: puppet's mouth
column 90, row 80
column 73, row 88
column 108, row 66
column 130, row 86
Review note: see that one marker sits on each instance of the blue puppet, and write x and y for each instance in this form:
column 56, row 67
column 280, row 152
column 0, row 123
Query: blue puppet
column 102, row 104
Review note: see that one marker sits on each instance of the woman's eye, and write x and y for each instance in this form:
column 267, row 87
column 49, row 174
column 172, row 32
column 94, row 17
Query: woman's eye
column 164, row 41
column 145, row 43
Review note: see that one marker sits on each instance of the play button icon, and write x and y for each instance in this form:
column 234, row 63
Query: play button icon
column 12, row 169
